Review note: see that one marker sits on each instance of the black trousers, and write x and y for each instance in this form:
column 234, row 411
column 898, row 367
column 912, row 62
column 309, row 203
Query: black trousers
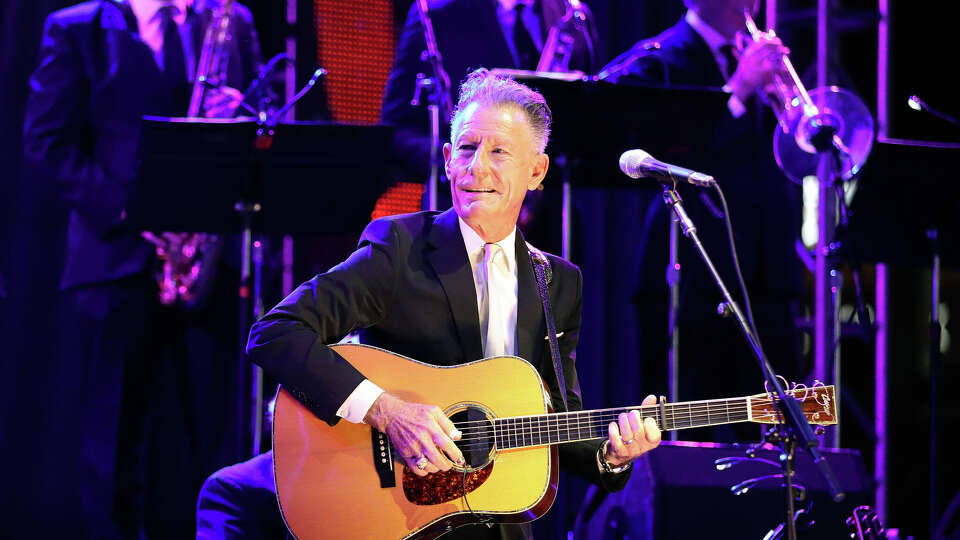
column 144, row 409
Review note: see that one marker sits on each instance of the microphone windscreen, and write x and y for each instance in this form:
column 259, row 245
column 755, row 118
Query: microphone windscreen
column 630, row 162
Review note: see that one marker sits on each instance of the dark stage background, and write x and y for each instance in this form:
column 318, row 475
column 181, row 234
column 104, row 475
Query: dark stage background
column 33, row 221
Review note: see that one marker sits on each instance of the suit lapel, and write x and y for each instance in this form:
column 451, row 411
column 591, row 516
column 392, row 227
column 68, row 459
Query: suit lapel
column 449, row 260
column 531, row 327
column 701, row 57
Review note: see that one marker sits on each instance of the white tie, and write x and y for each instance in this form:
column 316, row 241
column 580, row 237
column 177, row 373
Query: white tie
column 495, row 330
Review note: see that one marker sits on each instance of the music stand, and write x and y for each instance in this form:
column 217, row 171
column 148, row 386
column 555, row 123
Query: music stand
column 594, row 122
column 234, row 176
column 888, row 226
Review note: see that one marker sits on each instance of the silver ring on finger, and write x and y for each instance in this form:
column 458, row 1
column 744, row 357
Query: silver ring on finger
column 628, row 441
column 422, row 463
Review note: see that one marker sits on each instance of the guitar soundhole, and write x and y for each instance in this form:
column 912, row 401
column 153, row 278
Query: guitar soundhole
column 478, row 449
column 477, row 441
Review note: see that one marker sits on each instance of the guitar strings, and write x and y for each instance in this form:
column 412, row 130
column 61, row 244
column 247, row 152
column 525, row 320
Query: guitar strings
column 693, row 409
column 584, row 417
column 597, row 425
column 594, row 424
column 540, row 430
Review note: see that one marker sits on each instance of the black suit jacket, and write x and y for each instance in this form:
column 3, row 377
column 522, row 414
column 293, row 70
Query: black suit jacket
column 469, row 36
column 676, row 57
column 409, row 289
column 95, row 81
column 240, row 502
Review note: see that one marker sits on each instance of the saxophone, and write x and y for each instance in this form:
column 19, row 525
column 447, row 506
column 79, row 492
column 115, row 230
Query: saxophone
column 559, row 45
column 188, row 261
column 214, row 57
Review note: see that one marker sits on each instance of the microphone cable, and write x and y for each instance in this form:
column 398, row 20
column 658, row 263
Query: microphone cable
column 736, row 265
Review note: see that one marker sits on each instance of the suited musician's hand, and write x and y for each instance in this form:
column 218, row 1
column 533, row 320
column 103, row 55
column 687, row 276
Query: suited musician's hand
column 643, row 436
column 222, row 102
column 416, row 430
column 759, row 61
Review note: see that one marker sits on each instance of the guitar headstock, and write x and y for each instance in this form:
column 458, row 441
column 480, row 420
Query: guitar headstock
column 817, row 403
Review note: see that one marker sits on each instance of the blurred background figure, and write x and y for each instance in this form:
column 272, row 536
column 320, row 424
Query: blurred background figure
column 470, row 34
column 143, row 393
column 707, row 49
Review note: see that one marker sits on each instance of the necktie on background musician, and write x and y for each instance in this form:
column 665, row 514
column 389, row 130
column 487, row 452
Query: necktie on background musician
column 172, row 60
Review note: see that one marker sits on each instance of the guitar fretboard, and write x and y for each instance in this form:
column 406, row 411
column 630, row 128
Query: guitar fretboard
column 525, row 431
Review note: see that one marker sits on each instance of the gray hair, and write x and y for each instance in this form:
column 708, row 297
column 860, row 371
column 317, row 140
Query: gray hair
column 485, row 88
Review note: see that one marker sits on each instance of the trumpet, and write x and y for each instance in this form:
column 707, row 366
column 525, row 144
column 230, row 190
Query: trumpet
column 788, row 98
column 826, row 119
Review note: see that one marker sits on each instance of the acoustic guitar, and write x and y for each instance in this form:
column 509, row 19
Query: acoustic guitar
column 346, row 481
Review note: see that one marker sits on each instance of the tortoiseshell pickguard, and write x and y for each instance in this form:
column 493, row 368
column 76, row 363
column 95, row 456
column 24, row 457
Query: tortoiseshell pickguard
column 443, row 486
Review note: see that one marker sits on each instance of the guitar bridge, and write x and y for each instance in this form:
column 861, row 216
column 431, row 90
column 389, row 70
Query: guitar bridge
column 383, row 459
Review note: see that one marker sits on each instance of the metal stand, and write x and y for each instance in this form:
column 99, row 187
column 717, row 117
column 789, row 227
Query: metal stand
column 566, row 208
column 827, row 279
column 438, row 89
column 428, row 85
column 248, row 291
column 251, row 290
column 795, row 492
column 796, row 428
column 673, row 328
column 932, row 235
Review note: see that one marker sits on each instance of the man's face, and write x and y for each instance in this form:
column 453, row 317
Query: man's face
column 491, row 163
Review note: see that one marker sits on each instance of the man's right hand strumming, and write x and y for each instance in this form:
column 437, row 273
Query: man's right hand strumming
column 422, row 435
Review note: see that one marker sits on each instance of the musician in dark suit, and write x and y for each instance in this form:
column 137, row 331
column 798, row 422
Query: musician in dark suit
column 470, row 34
column 240, row 502
column 447, row 288
column 135, row 375
column 704, row 50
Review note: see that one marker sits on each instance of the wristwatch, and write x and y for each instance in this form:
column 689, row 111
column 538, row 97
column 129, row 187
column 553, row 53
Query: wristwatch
column 606, row 466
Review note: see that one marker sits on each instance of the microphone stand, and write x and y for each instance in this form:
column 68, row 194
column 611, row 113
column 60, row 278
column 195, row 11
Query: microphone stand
column 252, row 248
column 438, row 101
column 794, row 431
column 673, row 317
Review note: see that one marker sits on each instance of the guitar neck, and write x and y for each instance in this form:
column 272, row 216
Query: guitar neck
column 555, row 428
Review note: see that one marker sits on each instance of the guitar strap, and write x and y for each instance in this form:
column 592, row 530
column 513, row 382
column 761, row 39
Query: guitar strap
column 541, row 268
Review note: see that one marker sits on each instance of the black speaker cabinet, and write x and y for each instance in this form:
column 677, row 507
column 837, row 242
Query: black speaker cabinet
column 676, row 491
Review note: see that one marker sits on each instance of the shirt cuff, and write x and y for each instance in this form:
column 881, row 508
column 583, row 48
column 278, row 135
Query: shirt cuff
column 736, row 107
column 359, row 402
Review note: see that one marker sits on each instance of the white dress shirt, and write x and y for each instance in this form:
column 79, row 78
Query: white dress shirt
column 504, row 312
column 149, row 18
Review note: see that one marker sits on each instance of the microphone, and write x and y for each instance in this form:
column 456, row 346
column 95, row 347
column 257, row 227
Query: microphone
column 638, row 164
column 918, row 104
